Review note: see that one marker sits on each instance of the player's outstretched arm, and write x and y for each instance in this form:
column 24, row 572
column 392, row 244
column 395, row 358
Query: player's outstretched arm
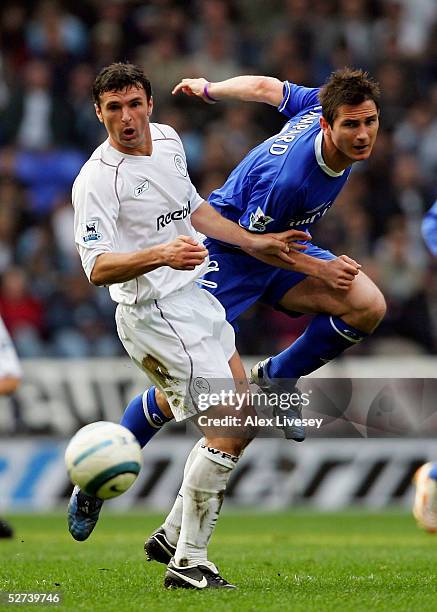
column 246, row 88
column 337, row 273
column 208, row 221
column 183, row 253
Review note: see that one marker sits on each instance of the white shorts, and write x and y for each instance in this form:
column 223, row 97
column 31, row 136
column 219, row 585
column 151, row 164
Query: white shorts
column 183, row 343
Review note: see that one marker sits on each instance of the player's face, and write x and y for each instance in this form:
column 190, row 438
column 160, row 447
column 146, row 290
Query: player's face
column 125, row 114
column 354, row 131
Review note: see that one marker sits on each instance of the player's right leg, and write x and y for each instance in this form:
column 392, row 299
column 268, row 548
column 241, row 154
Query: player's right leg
column 203, row 491
column 161, row 544
column 183, row 538
column 184, row 343
column 144, row 417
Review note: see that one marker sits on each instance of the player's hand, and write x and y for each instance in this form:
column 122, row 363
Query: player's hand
column 192, row 87
column 339, row 273
column 184, row 253
column 290, row 239
column 277, row 244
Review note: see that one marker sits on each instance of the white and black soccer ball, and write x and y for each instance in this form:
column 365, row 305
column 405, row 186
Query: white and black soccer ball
column 103, row 459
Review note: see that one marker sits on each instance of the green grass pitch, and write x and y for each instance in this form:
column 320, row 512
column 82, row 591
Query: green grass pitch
column 289, row 561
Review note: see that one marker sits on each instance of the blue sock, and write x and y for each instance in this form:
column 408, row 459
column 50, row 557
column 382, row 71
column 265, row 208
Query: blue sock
column 143, row 417
column 324, row 338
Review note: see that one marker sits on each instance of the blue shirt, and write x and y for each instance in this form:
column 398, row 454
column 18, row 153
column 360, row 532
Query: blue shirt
column 429, row 228
column 283, row 183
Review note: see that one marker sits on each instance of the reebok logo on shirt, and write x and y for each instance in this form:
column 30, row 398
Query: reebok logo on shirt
column 176, row 215
column 141, row 188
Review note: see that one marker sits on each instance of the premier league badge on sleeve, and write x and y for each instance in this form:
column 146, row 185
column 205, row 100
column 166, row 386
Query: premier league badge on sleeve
column 90, row 230
column 259, row 220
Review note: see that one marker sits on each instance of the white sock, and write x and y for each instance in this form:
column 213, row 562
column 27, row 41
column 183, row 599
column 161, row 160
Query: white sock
column 203, row 491
column 172, row 524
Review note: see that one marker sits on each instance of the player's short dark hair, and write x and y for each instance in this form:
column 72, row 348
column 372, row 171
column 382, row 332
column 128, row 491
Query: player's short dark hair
column 119, row 76
column 347, row 86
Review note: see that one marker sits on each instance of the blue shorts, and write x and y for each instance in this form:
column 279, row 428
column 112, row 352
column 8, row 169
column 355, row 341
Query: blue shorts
column 243, row 280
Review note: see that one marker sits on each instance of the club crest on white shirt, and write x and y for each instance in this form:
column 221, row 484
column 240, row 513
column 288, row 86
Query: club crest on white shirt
column 180, row 164
column 90, row 230
column 141, row 188
column 259, row 220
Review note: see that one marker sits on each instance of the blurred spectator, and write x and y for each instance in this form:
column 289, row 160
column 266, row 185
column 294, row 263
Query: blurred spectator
column 216, row 59
column 78, row 327
column 63, row 230
column 401, row 275
column 50, row 53
column 163, row 51
column 417, row 134
column 22, row 313
column 13, row 40
column 46, row 174
column 34, row 118
column 12, row 212
column 88, row 133
column 52, row 30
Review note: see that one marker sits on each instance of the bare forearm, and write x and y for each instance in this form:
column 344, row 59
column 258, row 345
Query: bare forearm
column 306, row 264
column 248, row 89
column 208, row 221
column 112, row 268
column 182, row 253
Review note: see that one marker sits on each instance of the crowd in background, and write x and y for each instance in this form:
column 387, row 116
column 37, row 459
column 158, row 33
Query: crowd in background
column 50, row 52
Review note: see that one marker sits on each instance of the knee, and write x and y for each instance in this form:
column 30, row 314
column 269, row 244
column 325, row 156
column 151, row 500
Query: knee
column 376, row 307
column 367, row 307
column 232, row 446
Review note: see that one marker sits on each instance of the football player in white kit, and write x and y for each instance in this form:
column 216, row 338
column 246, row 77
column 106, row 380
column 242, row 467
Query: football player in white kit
column 10, row 377
column 137, row 218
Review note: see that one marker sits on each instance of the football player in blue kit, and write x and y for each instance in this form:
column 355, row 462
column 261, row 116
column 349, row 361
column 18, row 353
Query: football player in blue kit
column 291, row 180
column 429, row 228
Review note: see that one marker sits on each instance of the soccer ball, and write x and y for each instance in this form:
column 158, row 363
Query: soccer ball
column 425, row 499
column 103, row 459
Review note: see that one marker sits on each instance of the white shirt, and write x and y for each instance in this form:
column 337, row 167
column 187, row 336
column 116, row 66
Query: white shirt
column 35, row 130
column 125, row 203
column 9, row 364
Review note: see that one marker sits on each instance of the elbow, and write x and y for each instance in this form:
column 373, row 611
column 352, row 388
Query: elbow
column 96, row 278
column 96, row 281
column 267, row 88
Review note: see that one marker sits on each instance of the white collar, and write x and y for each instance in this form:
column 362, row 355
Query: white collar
column 318, row 152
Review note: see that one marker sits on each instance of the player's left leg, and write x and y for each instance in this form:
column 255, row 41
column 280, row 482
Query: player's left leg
column 161, row 544
column 345, row 318
column 203, row 490
column 146, row 414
